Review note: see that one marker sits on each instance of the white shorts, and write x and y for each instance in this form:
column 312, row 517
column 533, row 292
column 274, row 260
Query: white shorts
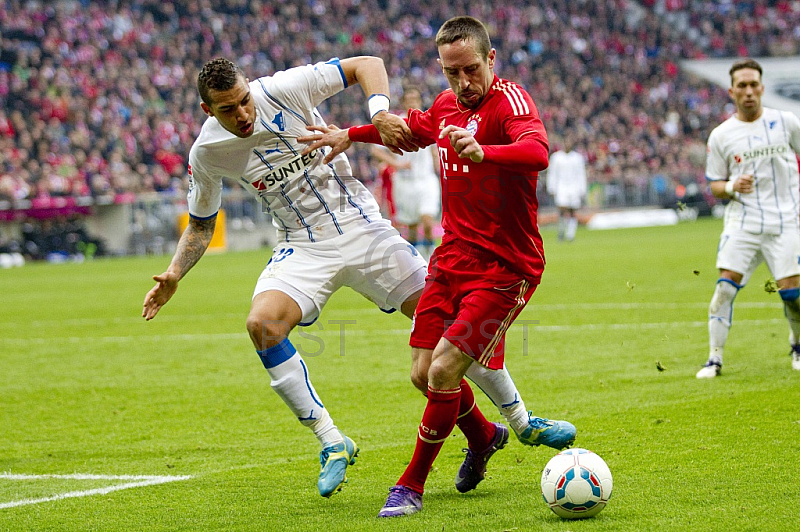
column 372, row 259
column 742, row 252
column 568, row 199
column 413, row 199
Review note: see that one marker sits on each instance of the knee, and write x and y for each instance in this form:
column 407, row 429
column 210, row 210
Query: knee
column 419, row 379
column 265, row 332
column 724, row 294
column 440, row 377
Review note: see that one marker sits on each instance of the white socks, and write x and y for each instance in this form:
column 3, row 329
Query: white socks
column 720, row 314
column 572, row 228
column 499, row 387
column 290, row 381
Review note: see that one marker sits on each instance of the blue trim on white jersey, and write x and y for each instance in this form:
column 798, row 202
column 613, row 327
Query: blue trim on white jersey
column 323, row 202
column 390, row 311
column 269, row 166
column 338, row 63
column 774, row 178
column 203, row 218
column 308, row 180
column 281, row 105
column 290, row 204
column 347, row 192
column 758, row 196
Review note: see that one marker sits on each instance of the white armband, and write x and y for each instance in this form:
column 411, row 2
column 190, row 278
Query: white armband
column 729, row 188
column 377, row 103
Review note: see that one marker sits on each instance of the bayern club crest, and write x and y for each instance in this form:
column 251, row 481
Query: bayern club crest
column 472, row 127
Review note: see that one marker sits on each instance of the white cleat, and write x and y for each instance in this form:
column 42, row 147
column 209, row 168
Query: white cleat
column 795, row 360
column 709, row 371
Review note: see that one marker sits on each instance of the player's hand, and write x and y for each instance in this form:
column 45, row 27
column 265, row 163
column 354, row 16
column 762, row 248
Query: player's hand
column 157, row 297
column 743, row 184
column 463, row 142
column 395, row 133
column 331, row 136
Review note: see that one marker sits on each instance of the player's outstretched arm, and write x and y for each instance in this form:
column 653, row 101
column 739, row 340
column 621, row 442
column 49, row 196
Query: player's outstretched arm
column 370, row 73
column 192, row 245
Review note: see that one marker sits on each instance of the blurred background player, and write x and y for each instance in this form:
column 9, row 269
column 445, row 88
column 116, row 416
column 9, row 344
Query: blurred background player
column 752, row 161
column 566, row 182
column 415, row 188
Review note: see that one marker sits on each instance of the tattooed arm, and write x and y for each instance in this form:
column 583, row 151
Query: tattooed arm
column 192, row 245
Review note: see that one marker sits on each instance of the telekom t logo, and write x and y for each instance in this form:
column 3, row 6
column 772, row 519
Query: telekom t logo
column 443, row 160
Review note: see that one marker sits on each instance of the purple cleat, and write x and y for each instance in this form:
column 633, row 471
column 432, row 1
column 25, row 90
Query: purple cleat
column 473, row 469
column 401, row 501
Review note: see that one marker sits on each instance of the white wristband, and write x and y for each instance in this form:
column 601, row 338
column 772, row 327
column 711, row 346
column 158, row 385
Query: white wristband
column 377, row 103
column 729, row 188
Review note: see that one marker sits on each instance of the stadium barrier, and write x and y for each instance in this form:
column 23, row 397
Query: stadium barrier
column 145, row 224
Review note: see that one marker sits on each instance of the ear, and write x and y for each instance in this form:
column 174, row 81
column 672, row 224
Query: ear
column 491, row 56
column 730, row 93
column 206, row 109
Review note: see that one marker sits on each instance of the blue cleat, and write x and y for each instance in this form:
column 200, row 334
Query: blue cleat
column 473, row 469
column 334, row 461
column 556, row 434
column 401, row 501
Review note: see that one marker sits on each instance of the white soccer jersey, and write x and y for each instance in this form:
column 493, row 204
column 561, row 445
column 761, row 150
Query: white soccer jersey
column 765, row 148
column 308, row 201
column 422, row 168
column 566, row 178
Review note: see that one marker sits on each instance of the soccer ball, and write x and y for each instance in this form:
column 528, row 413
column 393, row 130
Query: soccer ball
column 576, row 484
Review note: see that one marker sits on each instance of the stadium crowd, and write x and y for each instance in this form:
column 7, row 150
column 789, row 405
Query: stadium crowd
column 99, row 97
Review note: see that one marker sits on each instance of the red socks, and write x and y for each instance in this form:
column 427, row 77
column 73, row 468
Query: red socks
column 478, row 430
column 437, row 424
column 445, row 408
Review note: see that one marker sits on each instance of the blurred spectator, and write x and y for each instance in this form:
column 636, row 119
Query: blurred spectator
column 99, row 97
column 58, row 239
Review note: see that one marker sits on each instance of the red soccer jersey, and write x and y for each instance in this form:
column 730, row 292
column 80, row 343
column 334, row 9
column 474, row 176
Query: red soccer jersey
column 491, row 205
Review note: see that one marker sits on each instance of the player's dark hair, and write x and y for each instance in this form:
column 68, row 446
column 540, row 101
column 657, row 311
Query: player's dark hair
column 462, row 29
column 745, row 63
column 219, row 74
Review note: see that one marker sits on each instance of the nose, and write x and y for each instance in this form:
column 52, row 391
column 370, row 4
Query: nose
column 241, row 114
column 463, row 80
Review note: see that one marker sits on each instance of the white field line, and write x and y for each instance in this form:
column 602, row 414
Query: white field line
column 141, row 480
column 527, row 326
column 344, row 314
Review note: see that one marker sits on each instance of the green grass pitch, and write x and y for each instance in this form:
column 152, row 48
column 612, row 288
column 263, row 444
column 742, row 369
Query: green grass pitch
column 88, row 387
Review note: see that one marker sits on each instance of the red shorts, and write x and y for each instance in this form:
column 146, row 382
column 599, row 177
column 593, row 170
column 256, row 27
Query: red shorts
column 470, row 299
